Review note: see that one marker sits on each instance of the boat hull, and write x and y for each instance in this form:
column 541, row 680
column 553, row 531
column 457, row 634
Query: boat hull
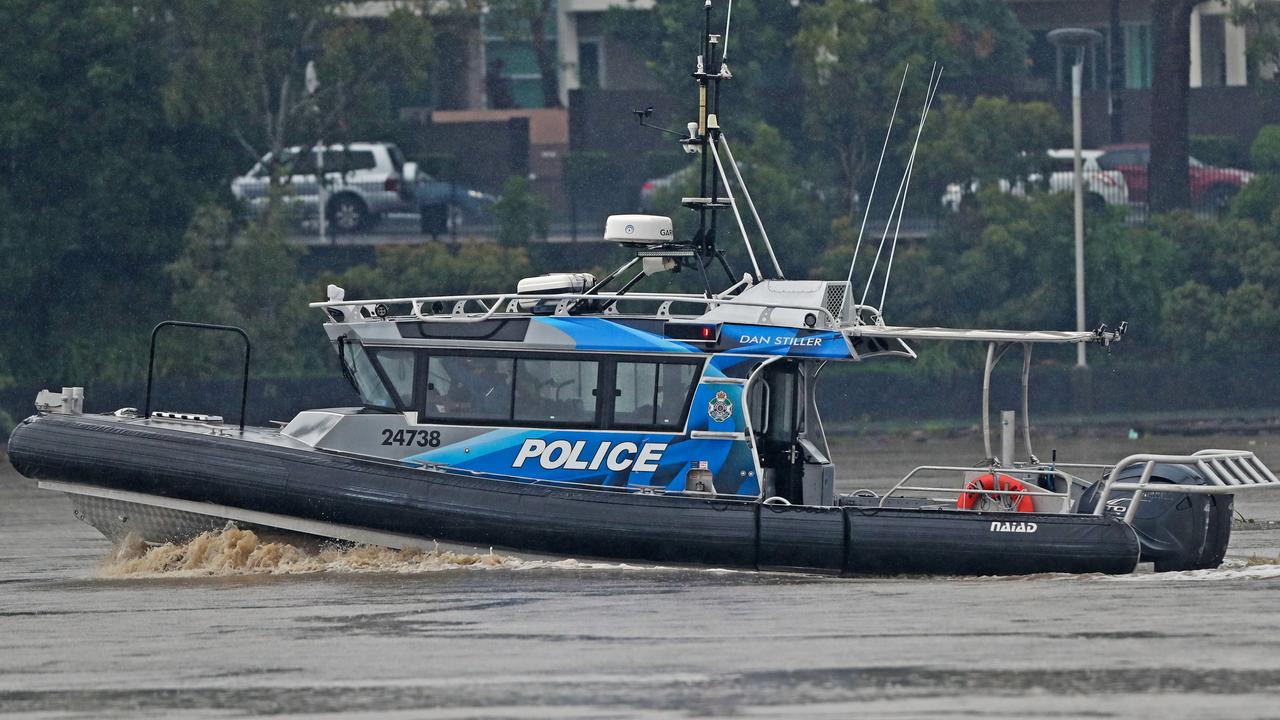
column 220, row 467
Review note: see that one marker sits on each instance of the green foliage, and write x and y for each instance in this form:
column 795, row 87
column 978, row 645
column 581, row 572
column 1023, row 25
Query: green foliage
column 988, row 140
column 246, row 276
column 1265, row 151
column 1219, row 151
column 434, row 269
column 760, row 51
column 987, row 39
column 96, row 186
column 240, row 65
column 1259, row 200
column 851, row 56
column 521, row 214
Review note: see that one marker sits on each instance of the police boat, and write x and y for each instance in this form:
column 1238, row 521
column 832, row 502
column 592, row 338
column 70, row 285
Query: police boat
column 583, row 417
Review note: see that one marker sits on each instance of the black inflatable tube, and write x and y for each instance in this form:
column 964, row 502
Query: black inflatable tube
column 577, row 522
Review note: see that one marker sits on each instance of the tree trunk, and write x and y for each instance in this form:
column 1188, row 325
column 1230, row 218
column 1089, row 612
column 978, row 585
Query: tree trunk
column 1167, row 180
column 547, row 65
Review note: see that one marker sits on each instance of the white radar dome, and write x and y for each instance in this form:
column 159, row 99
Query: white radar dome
column 639, row 229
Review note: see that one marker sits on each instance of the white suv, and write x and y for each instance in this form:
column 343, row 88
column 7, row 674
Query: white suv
column 363, row 181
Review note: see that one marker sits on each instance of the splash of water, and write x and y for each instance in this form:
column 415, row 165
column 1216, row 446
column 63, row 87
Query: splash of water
column 235, row 551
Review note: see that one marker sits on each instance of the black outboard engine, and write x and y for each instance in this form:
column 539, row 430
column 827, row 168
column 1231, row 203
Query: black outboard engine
column 1177, row 531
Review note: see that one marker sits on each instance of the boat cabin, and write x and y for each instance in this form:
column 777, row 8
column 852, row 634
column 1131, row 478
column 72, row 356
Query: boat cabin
column 561, row 382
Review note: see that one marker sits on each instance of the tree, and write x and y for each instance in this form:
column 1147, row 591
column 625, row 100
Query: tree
column 852, row 56
column 1170, row 185
column 96, row 185
column 990, row 45
column 521, row 214
column 988, row 140
column 241, row 65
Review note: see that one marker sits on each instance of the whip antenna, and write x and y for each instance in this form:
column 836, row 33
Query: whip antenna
column 866, row 209
column 899, row 200
column 724, row 48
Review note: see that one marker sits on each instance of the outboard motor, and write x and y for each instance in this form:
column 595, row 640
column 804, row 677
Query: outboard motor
column 1177, row 531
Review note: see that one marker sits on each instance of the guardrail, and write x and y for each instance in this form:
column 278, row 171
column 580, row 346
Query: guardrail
column 1226, row 471
column 455, row 307
column 901, row 487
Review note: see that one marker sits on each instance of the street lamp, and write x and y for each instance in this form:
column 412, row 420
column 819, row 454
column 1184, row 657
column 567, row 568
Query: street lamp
column 1079, row 39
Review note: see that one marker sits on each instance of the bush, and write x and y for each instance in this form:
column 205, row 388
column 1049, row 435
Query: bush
column 521, row 214
column 1219, row 151
column 1265, row 151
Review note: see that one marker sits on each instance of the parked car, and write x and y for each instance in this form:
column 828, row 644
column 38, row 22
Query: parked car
column 445, row 206
column 1101, row 186
column 364, row 181
column 1212, row 187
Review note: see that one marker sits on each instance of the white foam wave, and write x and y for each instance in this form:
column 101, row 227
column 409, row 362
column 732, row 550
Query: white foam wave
column 1252, row 568
column 235, row 551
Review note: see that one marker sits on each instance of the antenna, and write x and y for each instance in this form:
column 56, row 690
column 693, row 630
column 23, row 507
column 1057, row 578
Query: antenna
column 911, row 166
column 724, row 49
column 647, row 112
column 866, row 210
column 935, row 79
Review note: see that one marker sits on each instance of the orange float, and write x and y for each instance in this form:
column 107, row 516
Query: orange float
column 1015, row 502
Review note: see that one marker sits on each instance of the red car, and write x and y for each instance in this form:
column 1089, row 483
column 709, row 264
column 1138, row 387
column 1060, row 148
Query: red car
column 1211, row 187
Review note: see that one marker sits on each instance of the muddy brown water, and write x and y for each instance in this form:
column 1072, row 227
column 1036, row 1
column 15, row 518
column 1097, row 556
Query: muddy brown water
column 239, row 628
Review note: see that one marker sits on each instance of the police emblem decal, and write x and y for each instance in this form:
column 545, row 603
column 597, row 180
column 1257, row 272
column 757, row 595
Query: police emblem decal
column 720, row 408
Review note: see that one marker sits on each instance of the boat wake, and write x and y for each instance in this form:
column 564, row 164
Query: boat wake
column 1251, row 568
column 235, row 551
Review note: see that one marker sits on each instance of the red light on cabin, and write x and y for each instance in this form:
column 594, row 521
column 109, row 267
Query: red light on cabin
column 706, row 332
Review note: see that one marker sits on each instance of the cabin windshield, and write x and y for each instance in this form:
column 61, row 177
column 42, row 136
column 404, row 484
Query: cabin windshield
column 365, row 378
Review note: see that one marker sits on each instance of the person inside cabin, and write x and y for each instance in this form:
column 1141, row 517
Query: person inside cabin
column 480, row 388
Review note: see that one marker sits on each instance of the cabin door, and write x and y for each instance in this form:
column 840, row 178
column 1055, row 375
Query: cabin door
column 789, row 436
column 777, row 413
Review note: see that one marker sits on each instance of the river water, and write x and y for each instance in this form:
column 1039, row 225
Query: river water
column 239, row 628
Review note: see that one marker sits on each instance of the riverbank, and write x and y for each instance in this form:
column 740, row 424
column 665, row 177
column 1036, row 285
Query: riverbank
column 1196, row 423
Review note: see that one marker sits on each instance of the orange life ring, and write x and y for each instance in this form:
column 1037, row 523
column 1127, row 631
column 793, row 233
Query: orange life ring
column 1019, row 503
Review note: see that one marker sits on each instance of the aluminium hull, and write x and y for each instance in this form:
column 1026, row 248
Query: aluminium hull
column 219, row 468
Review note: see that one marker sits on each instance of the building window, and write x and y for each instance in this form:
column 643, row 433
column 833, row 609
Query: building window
column 1137, row 56
column 589, row 64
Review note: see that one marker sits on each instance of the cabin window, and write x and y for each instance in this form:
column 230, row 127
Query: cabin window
column 469, row 388
column 397, row 366
column 559, row 391
column 652, row 395
column 365, row 377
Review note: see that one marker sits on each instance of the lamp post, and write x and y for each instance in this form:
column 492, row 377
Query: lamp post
column 1078, row 39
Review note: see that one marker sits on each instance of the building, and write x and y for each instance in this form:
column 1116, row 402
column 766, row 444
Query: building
column 1221, row 73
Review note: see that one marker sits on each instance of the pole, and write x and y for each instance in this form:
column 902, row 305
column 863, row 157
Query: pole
column 1077, row 132
column 1116, row 106
column 321, row 195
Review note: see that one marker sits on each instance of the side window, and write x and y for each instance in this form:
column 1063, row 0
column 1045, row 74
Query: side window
column 652, row 395
column 562, row 391
column 300, row 163
column 365, row 377
column 636, row 386
column 469, row 388
column 675, row 382
column 398, row 366
column 349, row 161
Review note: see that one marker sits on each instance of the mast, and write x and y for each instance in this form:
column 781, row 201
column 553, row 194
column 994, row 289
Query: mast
column 705, row 133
